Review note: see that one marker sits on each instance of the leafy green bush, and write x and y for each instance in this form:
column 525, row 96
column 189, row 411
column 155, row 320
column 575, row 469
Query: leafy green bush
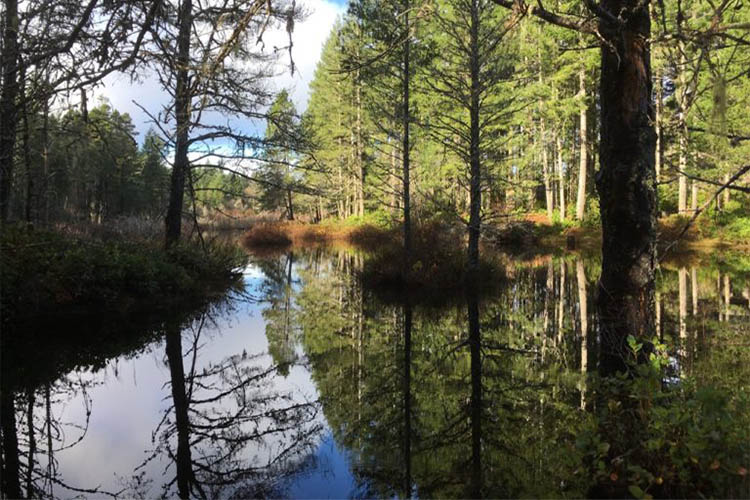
column 651, row 439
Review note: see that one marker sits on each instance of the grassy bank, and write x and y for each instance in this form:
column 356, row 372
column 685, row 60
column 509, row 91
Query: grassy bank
column 51, row 274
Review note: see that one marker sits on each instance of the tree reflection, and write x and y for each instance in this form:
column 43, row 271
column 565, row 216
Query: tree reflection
column 236, row 435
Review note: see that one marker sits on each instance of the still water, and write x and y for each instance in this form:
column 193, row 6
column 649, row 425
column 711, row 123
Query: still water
column 307, row 386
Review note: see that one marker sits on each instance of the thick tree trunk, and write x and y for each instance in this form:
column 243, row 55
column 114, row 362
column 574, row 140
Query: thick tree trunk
column 626, row 184
column 182, row 113
column 8, row 106
column 475, row 182
column 584, row 158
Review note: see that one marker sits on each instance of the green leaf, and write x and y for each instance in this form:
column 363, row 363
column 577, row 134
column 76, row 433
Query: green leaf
column 635, row 491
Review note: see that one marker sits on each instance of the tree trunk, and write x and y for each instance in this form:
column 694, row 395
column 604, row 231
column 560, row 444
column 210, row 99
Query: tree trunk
column 10, row 474
column 682, row 180
column 626, row 184
column 406, row 155
column 290, row 209
column 694, row 197
column 475, row 186
column 475, row 348
column 584, row 318
column 683, row 138
column 180, row 402
column 657, row 127
column 182, row 113
column 548, row 193
column 8, row 108
column 560, row 175
column 584, row 160
column 682, row 297
column 407, row 400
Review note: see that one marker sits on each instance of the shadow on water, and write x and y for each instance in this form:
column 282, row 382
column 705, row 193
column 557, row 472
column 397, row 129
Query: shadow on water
column 486, row 395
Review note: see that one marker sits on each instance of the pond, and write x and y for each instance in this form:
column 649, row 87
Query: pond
column 307, row 386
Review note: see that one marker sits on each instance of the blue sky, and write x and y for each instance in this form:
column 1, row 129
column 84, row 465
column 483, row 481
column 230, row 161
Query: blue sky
column 309, row 37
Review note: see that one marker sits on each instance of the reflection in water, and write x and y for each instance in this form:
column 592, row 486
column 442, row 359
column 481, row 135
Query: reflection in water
column 482, row 397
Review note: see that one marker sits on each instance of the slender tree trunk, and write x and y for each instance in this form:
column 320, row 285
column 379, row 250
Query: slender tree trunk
column 8, row 108
column 560, row 175
column 407, row 400
column 548, row 193
column 694, row 196
column 406, row 153
column 694, row 289
column 45, row 156
column 584, row 159
column 180, row 401
column 182, row 112
column 475, row 346
column 475, row 183
column 11, row 480
column 584, row 318
column 683, row 137
column 682, row 289
column 358, row 151
column 27, row 153
column 561, row 305
column 626, row 184
column 32, row 442
column 658, row 128
column 682, row 180
column 290, row 210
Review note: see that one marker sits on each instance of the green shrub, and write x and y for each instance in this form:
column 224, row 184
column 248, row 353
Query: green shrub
column 47, row 273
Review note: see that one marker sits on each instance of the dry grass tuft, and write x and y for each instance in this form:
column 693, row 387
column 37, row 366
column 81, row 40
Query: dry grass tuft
column 438, row 262
column 267, row 235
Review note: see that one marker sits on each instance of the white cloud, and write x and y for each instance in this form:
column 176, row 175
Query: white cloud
column 308, row 37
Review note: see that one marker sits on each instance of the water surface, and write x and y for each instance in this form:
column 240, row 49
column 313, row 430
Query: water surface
column 308, row 386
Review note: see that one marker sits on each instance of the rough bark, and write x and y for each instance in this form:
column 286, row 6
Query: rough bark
column 181, row 164
column 8, row 105
column 626, row 184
